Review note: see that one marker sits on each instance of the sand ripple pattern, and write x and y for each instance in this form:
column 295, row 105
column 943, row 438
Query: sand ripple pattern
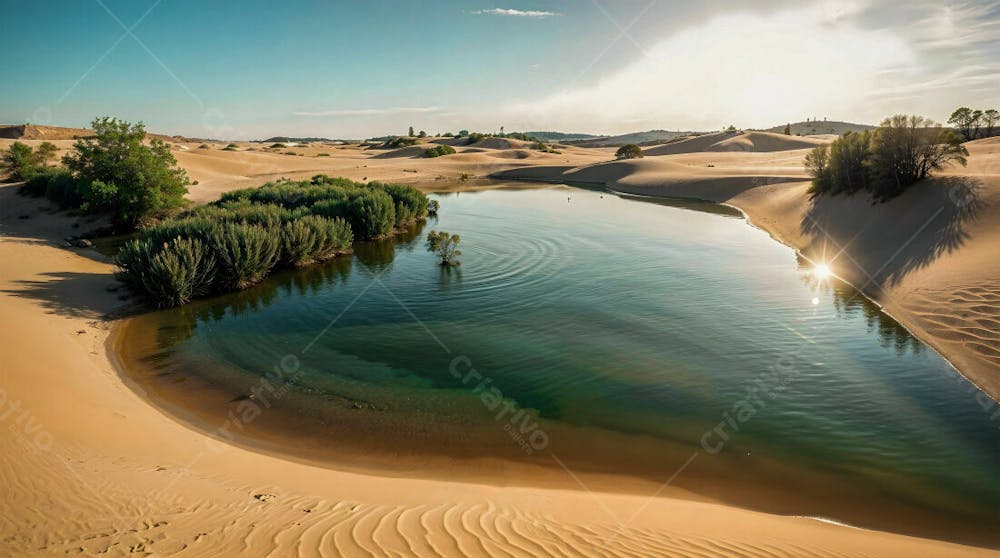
column 112, row 520
column 973, row 320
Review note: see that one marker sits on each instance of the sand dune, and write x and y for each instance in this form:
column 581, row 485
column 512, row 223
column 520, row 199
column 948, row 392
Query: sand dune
column 734, row 141
column 90, row 467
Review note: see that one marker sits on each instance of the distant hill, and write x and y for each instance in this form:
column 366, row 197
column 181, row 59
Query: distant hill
column 821, row 127
column 639, row 138
column 759, row 142
column 287, row 139
column 562, row 137
column 51, row 133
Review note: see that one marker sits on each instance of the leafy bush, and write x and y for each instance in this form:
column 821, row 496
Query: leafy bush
column 439, row 151
column 130, row 180
column 21, row 162
column 630, row 151
column 314, row 239
column 372, row 214
column 401, row 141
column 171, row 273
column 58, row 185
column 411, row 204
column 902, row 151
column 245, row 253
column 248, row 232
column 445, row 245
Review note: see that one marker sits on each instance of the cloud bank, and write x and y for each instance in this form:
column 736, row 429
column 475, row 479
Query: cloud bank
column 515, row 13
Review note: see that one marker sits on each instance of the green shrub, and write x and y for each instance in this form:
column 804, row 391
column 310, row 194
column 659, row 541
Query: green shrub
column 171, row 273
column 314, row 239
column 58, row 185
column 630, row 151
column 439, row 151
column 372, row 214
column 445, row 245
column 902, row 151
column 198, row 227
column 245, row 253
column 125, row 177
column 21, row 162
column 411, row 203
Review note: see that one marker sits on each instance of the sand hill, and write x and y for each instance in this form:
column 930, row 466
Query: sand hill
column 734, row 141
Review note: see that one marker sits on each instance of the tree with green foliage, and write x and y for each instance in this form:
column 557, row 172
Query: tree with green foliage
column 410, row 133
column 990, row 119
column 463, row 133
column 630, row 151
column 907, row 149
column 123, row 176
column 902, row 151
column 21, row 162
column 788, row 129
column 962, row 119
column 445, row 245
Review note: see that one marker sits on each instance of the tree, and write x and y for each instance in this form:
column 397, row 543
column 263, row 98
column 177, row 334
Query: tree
column 817, row 164
column 906, row 149
column 788, row 129
column 990, row 119
column 463, row 133
column 410, row 134
column 630, row 151
column 22, row 162
column 962, row 120
column 125, row 177
column 422, row 134
column 445, row 245
column 977, row 122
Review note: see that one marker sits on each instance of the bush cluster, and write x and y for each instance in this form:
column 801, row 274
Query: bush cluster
column 22, row 162
column 630, row 151
column 439, row 151
column 236, row 241
column 114, row 172
column 902, row 151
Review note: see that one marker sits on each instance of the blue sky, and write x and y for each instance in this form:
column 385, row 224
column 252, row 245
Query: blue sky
column 357, row 69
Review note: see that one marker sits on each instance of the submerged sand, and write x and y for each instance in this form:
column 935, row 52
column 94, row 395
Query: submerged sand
column 89, row 466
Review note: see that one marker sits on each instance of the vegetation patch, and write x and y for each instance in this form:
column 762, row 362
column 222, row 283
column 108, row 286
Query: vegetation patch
column 902, row 151
column 439, row 151
column 238, row 240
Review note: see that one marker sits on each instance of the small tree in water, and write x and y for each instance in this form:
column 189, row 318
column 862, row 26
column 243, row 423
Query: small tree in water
column 445, row 245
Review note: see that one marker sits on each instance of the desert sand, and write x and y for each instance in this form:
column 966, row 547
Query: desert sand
column 90, row 467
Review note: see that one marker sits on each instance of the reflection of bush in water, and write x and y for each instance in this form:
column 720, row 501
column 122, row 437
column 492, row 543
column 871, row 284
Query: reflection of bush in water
column 376, row 255
column 849, row 303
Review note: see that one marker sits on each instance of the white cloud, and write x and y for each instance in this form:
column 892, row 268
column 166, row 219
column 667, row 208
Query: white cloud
column 749, row 70
column 369, row 111
column 516, row 13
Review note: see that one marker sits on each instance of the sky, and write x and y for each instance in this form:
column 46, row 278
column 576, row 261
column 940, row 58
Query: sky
column 254, row 69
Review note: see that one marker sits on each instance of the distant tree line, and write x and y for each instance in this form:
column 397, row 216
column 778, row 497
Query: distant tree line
column 902, row 151
column 974, row 123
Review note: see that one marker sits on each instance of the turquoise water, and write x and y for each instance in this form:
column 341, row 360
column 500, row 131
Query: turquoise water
column 624, row 337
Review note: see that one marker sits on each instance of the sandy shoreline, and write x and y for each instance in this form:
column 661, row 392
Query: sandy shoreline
column 93, row 467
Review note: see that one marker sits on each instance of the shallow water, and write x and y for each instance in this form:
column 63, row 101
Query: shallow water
column 623, row 337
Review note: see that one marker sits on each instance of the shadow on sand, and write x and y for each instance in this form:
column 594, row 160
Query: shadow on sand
column 888, row 241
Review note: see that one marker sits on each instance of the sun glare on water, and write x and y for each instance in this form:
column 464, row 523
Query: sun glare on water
column 821, row 271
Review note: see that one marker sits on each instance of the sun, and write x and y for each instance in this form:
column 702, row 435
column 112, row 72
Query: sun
column 821, row 271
